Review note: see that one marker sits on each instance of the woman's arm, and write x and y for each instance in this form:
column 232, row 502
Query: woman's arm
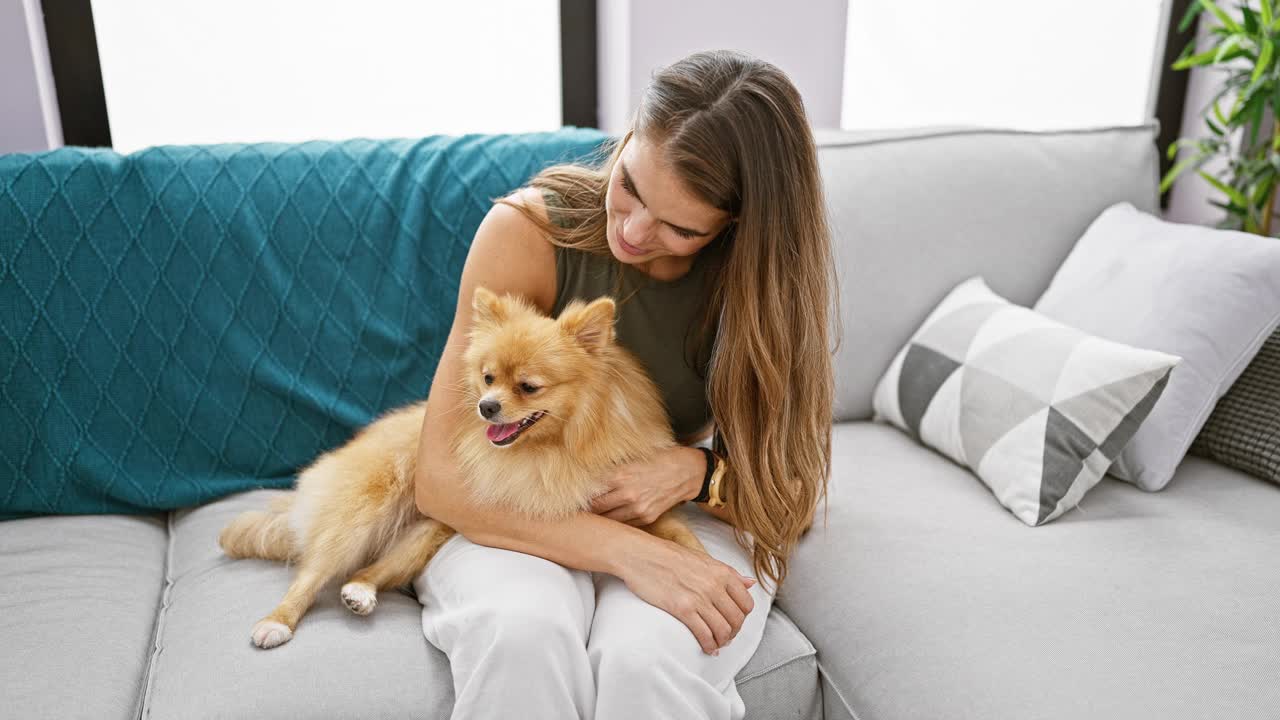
column 509, row 255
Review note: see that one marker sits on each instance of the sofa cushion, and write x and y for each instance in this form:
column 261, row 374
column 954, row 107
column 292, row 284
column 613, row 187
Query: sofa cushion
column 913, row 213
column 337, row 665
column 77, row 611
column 190, row 321
column 780, row 681
column 926, row 600
column 342, row 665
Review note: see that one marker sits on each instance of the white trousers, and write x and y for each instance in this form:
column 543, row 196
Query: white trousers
column 529, row 638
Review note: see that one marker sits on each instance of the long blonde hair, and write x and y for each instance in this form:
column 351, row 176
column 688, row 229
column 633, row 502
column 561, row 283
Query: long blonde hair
column 735, row 130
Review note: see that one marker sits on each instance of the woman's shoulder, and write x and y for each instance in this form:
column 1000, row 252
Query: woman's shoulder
column 510, row 244
column 533, row 198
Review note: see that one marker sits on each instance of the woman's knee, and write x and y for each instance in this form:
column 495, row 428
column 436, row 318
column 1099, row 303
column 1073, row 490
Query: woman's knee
column 528, row 634
column 643, row 647
column 518, row 603
column 636, row 642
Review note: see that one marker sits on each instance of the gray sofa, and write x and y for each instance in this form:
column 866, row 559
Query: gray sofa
column 916, row 595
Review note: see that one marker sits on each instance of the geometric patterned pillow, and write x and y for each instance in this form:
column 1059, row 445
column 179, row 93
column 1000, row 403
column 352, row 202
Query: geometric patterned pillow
column 1036, row 409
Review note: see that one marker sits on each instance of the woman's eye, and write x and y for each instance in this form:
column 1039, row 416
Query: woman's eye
column 685, row 234
column 626, row 185
column 528, row 389
column 488, row 379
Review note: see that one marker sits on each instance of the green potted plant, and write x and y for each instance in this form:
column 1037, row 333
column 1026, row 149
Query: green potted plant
column 1240, row 118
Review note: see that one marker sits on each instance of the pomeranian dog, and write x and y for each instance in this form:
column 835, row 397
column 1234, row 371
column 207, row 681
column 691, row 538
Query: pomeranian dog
column 557, row 405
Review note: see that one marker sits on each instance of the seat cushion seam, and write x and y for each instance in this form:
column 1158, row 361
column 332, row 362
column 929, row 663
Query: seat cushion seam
column 839, row 696
column 144, row 705
column 775, row 666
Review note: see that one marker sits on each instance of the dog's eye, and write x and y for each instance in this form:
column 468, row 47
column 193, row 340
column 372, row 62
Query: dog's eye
column 488, row 379
column 528, row 389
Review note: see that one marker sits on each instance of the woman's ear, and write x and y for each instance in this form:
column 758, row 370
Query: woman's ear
column 487, row 308
column 591, row 325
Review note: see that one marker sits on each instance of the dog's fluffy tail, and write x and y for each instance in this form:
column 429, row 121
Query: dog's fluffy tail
column 259, row 534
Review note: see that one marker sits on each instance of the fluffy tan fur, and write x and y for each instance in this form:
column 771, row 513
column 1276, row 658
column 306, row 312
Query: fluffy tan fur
column 352, row 513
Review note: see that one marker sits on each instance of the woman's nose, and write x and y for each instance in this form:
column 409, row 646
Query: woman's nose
column 639, row 226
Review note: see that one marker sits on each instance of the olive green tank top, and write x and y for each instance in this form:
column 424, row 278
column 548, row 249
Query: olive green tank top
column 655, row 321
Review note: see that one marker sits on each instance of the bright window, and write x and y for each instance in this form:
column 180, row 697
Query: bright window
column 1004, row 63
column 186, row 71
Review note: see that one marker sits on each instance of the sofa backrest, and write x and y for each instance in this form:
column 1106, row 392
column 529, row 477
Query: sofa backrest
column 914, row 213
column 185, row 322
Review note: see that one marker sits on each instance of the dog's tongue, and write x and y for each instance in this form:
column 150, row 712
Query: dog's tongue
column 498, row 433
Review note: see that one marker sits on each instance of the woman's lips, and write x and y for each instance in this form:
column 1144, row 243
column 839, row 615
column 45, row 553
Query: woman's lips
column 627, row 247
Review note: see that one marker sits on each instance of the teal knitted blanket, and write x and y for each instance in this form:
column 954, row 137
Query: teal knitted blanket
column 187, row 322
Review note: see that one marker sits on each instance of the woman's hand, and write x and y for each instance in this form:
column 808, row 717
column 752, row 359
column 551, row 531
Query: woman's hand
column 640, row 492
column 705, row 594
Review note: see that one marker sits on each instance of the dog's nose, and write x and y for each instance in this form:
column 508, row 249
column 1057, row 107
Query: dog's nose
column 489, row 408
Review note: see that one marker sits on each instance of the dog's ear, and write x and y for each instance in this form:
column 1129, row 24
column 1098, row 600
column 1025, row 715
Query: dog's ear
column 488, row 308
column 591, row 325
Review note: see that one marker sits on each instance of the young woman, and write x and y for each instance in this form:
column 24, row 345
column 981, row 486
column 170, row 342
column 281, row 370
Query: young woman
column 707, row 222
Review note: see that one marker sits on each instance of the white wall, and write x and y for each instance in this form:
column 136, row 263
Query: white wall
column 804, row 39
column 1000, row 63
column 29, row 119
column 329, row 69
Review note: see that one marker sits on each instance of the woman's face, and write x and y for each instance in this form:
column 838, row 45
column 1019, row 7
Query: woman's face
column 654, row 221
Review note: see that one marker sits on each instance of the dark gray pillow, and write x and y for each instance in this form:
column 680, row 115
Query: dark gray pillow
column 1243, row 431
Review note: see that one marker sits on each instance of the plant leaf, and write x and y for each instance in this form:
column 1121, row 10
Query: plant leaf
column 1208, row 57
column 1229, row 207
column 1259, row 105
column 1231, row 43
column 1264, row 61
column 1248, row 104
column 1193, row 11
column 1217, row 112
column 1268, row 14
column 1176, row 171
column 1222, row 16
column 1261, row 190
column 1202, row 146
column 1236, row 197
column 1213, row 56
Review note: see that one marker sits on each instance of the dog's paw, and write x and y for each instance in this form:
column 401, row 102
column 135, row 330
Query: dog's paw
column 269, row 633
column 361, row 598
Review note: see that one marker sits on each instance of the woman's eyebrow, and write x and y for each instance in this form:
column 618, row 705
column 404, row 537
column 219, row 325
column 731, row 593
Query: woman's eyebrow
column 631, row 181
